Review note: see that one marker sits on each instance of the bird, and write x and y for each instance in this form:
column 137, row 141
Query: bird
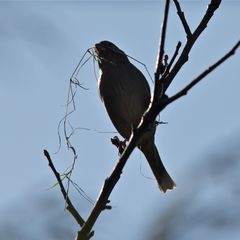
column 126, row 95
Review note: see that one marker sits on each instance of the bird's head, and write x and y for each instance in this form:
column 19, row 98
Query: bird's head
column 109, row 54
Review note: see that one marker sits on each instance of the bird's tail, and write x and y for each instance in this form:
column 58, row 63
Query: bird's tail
column 150, row 151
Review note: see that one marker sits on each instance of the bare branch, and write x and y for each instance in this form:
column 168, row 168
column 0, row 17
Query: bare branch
column 203, row 75
column 70, row 206
column 212, row 7
column 173, row 57
column 159, row 66
column 109, row 184
column 183, row 19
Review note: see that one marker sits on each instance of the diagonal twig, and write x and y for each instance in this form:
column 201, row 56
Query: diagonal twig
column 183, row 19
column 179, row 44
column 203, row 74
column 69, row 206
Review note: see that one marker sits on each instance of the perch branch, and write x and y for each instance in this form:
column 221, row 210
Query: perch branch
column 70, row 206
column 160, row 67
column 108, row 186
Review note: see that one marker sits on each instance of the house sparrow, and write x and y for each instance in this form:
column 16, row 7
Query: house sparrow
column 126, row 96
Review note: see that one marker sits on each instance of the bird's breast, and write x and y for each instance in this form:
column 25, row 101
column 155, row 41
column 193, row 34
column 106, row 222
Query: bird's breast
column 125, row 97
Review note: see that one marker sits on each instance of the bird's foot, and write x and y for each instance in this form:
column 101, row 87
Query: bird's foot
column 119, row 144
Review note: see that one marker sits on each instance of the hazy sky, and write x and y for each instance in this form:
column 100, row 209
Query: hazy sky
column 41, row 43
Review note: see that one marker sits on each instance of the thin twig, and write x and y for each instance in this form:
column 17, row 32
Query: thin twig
column 80, row 190
column 160, row 68
column 183, row 19
column 70, row 206
column 173, row 57
column 161, row 52
column 203, row 75
column 183, row 58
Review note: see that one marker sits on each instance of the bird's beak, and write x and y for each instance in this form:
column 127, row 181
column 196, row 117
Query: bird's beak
column 99, row 47
column 97, row 50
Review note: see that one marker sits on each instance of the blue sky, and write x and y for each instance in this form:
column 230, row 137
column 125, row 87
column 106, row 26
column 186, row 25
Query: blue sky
column 41, row 43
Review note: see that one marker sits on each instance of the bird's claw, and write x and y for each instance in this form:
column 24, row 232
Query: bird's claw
column 119, row 144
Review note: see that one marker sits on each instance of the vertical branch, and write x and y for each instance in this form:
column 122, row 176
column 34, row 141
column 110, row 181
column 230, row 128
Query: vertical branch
column 159, row 65
column 162, row 42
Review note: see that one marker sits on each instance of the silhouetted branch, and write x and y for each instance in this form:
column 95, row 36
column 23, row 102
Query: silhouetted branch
column 183, row 19
column 109, row 184
column 212, row 7
column 173, row 58
column 70, row 206
column 203, row 75
column 159, row 66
